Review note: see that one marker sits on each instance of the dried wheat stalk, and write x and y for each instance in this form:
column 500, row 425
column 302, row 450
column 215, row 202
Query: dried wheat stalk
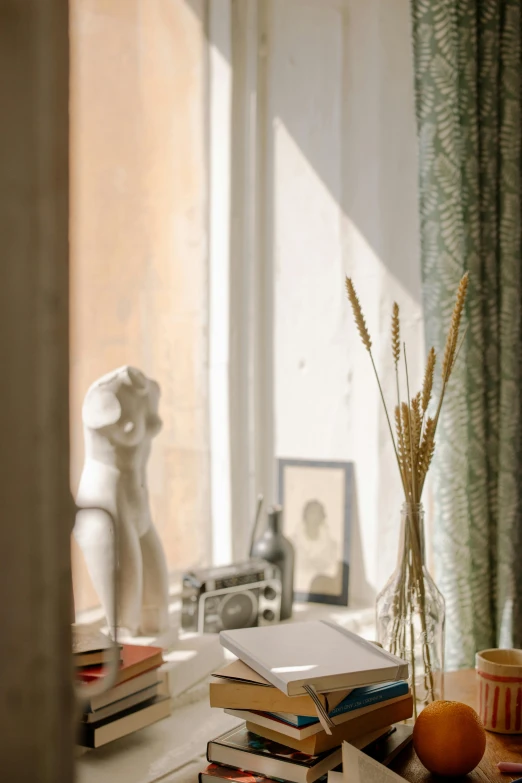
column 357, row 312
column 415, row 433
column 427, row 386
column 426, row 450
column 396, row 334
column 401, row 447
column 365, row 337
column 416, row 423
column 453, row 334
column 415, row 444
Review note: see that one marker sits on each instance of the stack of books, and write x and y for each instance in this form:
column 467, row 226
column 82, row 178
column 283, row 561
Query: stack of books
column 301, row 690
column 136, row 700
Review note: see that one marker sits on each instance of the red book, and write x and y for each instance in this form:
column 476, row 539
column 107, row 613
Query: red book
column 135, row 658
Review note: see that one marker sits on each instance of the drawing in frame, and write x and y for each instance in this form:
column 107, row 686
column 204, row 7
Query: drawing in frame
column 317, row 511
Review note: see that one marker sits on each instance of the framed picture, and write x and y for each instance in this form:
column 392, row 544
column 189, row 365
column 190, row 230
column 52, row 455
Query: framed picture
column 317, row 507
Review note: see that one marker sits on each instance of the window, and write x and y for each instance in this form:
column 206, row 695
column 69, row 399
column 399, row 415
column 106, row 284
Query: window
column 139, row 269
column 231, row 162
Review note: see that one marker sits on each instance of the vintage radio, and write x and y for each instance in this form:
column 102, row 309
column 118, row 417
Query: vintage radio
column 235, row 596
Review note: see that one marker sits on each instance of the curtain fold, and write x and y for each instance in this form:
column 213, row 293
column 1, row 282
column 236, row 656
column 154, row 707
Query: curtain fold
column 468, row 67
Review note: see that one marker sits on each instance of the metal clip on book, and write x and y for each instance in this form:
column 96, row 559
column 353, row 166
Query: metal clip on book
column 322, row 714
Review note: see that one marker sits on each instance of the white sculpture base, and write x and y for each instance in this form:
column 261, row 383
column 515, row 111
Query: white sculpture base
column 195, row 658
column 189, row 657
column 168, row 640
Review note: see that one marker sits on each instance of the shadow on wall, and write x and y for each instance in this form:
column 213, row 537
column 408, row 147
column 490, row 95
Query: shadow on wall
column 338, row 139
column 362, row 51
column 360, row 591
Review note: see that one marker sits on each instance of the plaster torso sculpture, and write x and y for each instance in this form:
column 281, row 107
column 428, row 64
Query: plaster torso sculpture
column 120, row 417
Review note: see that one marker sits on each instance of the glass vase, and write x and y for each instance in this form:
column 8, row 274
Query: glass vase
column 411, row 614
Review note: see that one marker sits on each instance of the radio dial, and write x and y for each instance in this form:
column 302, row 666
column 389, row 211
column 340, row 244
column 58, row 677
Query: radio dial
column 269, row 593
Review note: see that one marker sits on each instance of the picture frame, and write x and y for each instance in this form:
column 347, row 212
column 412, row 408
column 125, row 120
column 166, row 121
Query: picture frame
column 317, row 501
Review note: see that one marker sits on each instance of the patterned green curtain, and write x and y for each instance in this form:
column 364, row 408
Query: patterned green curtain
column 468, row 69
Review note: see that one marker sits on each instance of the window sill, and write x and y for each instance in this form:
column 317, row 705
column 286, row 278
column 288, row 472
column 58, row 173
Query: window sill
column 173, row 750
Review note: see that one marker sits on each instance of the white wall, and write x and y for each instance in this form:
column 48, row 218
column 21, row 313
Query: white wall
column 343, row 152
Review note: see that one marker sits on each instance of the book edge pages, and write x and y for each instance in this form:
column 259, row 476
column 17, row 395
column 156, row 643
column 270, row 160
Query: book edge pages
column 249, row 677
column 132, row 700
column 251, row 718
column 275, row 767
column 346, row 717
column 278, row 737
column 310, row 710
column 340, row 717
column 309, row 731
column 352, row 680
column 125, row 713
column 218, row 741
column 207, row 777
column 161, row 707
column 106, row 698
column 243, row 700
column 272, row 768
column 239, row 681
column 127, row 671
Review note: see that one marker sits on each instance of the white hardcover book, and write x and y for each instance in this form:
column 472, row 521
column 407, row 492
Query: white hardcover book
column 317, row 654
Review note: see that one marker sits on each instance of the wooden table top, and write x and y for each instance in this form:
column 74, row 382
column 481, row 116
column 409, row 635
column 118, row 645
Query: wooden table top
column 461, row 686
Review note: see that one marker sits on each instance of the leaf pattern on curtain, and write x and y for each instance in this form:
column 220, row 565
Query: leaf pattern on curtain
column 468, row 66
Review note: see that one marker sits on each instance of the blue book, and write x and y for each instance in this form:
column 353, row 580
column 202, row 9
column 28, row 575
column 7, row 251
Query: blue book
column 358, row 698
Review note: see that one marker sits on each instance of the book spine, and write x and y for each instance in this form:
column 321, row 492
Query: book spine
column 300, row 721
column 321, row 742
column 86, row 737
column 401, row 689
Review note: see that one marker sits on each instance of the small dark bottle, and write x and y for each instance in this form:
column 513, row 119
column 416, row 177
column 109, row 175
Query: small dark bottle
column 278, row 550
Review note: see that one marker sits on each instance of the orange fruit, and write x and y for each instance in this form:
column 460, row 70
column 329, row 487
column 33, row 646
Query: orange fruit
column 449, row 738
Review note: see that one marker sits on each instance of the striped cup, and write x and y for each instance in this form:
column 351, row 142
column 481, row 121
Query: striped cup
column 499, row 683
